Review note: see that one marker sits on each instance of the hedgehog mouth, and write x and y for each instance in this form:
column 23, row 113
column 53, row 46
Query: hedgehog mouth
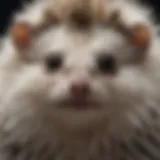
column 80, row 104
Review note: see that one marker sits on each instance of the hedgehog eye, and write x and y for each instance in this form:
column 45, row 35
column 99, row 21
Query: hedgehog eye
column 54, row 62
column 106, row 63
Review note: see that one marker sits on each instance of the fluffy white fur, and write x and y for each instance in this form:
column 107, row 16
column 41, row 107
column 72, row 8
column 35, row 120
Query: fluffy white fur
column 33, row 125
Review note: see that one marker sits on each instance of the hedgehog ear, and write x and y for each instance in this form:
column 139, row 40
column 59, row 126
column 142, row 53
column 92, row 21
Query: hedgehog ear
column 21, row 34
column 140, row 36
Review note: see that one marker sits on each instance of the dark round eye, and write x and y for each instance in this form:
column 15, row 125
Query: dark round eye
column 106, row 63
column 54, row 62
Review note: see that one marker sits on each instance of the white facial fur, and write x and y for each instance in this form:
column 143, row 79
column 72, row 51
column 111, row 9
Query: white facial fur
column 116, row 93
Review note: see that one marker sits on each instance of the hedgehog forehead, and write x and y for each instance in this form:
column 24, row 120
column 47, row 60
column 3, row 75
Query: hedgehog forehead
column 63, row 39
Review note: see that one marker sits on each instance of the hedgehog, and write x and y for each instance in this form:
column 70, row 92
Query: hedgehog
column 81, row 84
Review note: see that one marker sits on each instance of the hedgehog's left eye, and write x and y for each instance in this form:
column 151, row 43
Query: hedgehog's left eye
column 106, row 63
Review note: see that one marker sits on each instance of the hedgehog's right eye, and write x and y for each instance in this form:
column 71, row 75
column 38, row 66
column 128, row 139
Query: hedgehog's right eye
column 54, row 62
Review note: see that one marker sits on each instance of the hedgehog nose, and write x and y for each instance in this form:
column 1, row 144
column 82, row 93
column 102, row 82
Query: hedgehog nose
column 80, row 88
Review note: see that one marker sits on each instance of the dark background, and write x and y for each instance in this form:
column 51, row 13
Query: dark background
column 7, row 7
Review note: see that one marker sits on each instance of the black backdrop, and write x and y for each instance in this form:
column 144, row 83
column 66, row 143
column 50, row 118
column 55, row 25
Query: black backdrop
column 7, row 7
